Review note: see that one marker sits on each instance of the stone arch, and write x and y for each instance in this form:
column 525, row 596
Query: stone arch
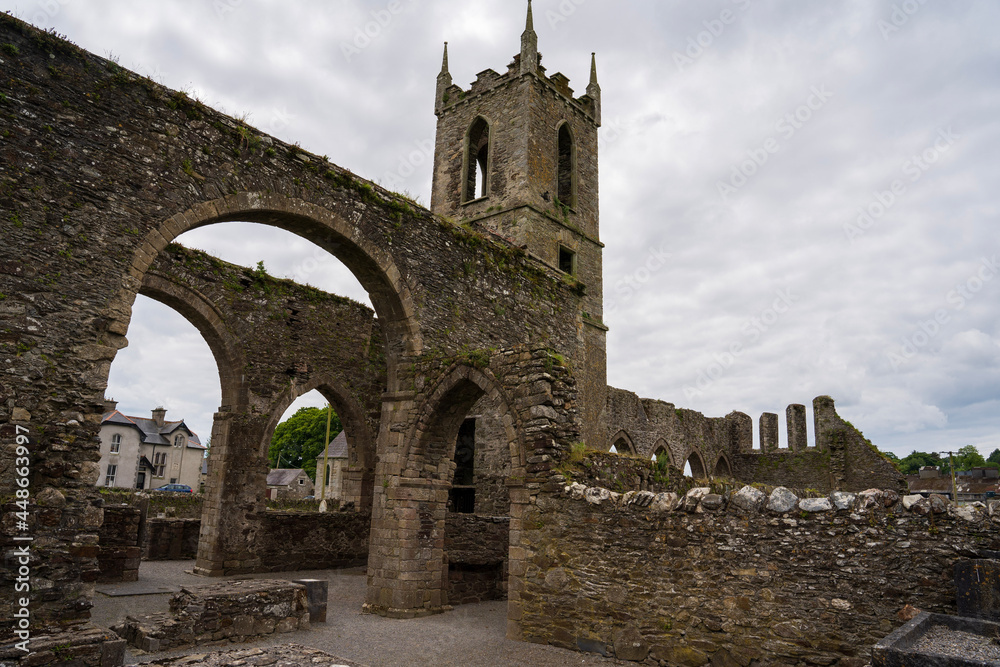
column 371, row 264
column 697, row 461
column 200, row 312
column 436, row 430
column 360, row 439
column 622, row 442
column 661, row 447
column 567, row 169
column 722, row 467
column 478, row 158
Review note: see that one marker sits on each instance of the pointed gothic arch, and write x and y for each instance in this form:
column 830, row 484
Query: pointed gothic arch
column 697, row 462
column 478, row 160
column 567, row 170
column 722, row 467
column 622, row 442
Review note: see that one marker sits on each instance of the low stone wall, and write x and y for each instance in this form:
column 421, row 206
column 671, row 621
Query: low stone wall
column 236, row 610
column 81, row 646
column 119, row 555
column 171, row 539
column 290, row 541
column 664, row 579
column 476, row 549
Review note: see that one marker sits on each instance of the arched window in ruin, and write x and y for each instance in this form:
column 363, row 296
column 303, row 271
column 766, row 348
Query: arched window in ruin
column 660, row 449
column 622, row 444
column 722, row 467
column 567, row 166
column 477, row 161
column 695, row 466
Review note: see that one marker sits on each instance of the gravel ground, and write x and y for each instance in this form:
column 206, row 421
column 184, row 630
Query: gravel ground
column 468, row 636
column 943, row 640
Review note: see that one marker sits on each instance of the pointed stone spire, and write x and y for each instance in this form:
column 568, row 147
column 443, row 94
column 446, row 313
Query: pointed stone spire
column 444, row 61
column 443, row 83
column 594, row 88
column 529, row 45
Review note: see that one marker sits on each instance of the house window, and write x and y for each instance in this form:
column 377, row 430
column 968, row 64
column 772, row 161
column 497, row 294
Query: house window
column 109, row 477
column 159, row 463
column 567, row 260
column 116, row 443
column 301, row 482
column 567, row 164
column 173, row 480
column 477, row 161
column 178, row 440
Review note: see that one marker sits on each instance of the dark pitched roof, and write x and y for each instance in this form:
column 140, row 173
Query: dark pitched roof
column 338, row 447
column 150, row 433
column 283, row 476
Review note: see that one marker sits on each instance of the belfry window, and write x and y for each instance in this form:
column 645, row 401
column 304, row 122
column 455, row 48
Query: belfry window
column 567, row 260
column 567, row 167
column 477, row 161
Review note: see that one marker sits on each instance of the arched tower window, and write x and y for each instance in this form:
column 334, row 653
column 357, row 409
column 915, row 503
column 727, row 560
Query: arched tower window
column 567, row 166
column 477, row 161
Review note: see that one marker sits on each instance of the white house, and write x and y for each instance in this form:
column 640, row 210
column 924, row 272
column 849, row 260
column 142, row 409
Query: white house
column 148, row 452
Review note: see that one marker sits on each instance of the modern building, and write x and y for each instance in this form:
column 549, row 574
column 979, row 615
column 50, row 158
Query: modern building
column 148, row 452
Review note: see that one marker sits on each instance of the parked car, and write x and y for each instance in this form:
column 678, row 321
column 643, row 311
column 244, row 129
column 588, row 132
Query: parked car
column 180, row 488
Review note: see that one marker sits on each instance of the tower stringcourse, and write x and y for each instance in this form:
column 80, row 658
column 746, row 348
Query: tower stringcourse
column 517, row 154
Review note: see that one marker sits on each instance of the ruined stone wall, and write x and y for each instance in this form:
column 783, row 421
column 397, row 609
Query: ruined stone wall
column 839, row 459
column 292, row 541
column 102, row 170
column 476, row 552
column 119, row 553
column 171, row 539
column 492, row 460
column 710, row 578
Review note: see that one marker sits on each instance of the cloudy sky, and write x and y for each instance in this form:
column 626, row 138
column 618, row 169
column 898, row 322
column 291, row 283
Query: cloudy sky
column 794, row 195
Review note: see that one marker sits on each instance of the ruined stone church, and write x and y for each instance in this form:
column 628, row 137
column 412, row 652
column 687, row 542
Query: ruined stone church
column 473, row 395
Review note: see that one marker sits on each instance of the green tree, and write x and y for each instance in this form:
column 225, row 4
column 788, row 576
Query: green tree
column 994, row 457
column 968, row 457
column 913, row 462
column 298, row 441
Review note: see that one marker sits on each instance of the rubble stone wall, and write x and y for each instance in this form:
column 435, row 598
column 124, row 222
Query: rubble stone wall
column 476, row 551
column 706, row 577
column 171, row 539
column 119, row 553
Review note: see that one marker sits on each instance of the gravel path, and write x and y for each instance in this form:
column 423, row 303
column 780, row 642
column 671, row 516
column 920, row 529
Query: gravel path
column 467, row 636
column 942, row 640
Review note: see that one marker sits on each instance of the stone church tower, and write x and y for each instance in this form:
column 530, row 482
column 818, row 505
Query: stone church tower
column 517, row 154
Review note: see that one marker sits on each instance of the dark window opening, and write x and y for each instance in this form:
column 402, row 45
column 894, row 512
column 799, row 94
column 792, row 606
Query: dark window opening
column 567, row 260
column 566, row 159
column 462, row 496
column 478, row 161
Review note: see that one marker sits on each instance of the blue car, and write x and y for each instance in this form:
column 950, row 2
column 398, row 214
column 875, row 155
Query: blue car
column 180, row 488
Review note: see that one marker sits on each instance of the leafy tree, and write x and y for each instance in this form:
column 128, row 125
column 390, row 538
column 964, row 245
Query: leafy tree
column 913, row 462
column 298, row 441
column 994, row 457
column 968, row 457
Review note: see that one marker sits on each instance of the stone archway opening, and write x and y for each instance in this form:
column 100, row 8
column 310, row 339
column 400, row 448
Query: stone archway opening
column 722, row 467
column 694, row 466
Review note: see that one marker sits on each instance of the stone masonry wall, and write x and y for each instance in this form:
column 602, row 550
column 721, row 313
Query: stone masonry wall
column 171, row 539
column 840, row 459
column 291, row 541
column 119, row 554
column 476, row 551
column 744, row 580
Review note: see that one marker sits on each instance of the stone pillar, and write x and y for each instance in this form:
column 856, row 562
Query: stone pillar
column 795, row 419
column 768, row 432
column 517, row 557
column 825, row 421
column 740, row 432
column 234, row 495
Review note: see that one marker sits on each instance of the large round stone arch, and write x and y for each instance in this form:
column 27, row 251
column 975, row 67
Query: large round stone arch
column 193, row 306
column 372, row 265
